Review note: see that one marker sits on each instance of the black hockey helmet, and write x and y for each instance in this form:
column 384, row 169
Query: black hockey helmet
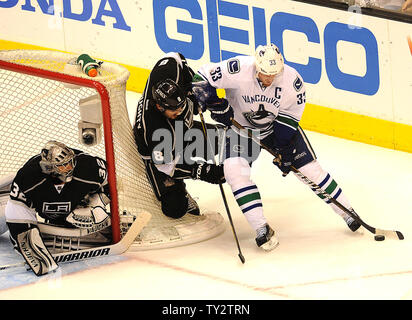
column 169, row 95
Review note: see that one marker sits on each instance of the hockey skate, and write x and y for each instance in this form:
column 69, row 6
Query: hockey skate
column 192, row 207
column 266, row 238
column 352, row 223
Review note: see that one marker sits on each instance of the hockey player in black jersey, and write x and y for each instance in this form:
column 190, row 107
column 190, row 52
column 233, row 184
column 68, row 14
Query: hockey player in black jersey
column 168, row 105
column 64, row 187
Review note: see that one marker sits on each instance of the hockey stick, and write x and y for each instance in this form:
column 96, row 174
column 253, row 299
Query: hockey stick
column 110, row 250
column 241, row 257
column 319, row 191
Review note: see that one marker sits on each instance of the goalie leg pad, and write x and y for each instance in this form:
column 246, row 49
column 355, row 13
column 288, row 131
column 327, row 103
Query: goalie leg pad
column 35, row 253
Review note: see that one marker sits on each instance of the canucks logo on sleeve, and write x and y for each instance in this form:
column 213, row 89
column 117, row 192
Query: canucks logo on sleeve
column 297, row 84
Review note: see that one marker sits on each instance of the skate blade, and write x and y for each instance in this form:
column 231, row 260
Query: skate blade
column 270, row 245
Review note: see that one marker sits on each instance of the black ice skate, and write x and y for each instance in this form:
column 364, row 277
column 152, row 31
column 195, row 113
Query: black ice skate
column 266, row 238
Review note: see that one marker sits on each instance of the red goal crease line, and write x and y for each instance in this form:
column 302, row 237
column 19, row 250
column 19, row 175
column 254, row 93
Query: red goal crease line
column 410, row 43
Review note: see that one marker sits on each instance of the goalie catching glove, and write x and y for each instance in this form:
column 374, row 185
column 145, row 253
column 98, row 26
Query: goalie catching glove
column 94, row 215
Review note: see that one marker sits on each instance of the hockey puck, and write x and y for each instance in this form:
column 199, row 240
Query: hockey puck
column 379, row 237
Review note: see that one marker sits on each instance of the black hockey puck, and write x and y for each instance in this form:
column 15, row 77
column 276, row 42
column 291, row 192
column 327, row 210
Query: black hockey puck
column 379, row 237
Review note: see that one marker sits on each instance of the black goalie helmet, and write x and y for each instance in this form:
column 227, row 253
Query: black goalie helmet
column 169, row 95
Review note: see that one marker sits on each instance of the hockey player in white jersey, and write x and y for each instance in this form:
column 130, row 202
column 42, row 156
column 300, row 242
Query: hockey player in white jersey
column 268, row 97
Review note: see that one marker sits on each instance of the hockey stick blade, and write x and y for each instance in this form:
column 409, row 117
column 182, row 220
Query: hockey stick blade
column 115, row 249
column 393, row 234
column 319, row 191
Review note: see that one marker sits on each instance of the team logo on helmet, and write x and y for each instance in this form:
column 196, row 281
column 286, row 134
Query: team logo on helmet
column 169, row 95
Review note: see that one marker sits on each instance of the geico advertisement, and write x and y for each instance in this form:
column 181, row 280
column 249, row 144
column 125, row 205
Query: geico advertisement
column 344, row 57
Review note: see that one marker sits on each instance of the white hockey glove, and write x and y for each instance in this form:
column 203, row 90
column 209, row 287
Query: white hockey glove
column 93, row 216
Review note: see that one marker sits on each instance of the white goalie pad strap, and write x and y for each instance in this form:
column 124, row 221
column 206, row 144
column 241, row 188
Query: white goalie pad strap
column 35, row 252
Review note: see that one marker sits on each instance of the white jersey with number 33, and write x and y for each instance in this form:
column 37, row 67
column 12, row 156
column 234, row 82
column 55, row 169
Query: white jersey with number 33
column 257, row 107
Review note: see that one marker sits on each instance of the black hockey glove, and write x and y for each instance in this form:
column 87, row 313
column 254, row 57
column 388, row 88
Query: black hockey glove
column 203, row 92
column 221, row 111
column 285, row 158
column 208, row 172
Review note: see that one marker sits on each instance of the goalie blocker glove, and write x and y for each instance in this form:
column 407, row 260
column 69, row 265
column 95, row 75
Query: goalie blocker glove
column 208, row 172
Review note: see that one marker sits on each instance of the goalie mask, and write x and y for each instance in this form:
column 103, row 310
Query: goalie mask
column 169, row 95
column 269, row 60
column 58, row 160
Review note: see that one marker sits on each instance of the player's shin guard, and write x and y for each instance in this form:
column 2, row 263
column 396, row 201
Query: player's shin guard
column 324, row 180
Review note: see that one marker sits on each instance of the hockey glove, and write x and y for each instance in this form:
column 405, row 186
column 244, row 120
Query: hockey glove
column 203, row 91
column 92, row 216
column 285, row 158
column 221, row 111
column 208, row 172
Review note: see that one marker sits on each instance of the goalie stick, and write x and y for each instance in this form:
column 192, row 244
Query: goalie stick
column 319, row 191
column 240, row 255
column 110, row 250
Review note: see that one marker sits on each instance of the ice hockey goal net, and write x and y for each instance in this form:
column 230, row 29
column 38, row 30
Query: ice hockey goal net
column 40, row 95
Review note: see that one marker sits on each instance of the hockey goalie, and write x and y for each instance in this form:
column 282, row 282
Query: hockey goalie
column 57, row 202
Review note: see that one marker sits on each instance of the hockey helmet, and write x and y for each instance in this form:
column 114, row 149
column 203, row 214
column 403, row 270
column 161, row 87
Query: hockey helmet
column 269, row 60
column 169, row 95
column 57, row 159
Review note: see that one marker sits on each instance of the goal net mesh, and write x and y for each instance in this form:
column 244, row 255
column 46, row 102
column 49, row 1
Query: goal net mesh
column 40, row 93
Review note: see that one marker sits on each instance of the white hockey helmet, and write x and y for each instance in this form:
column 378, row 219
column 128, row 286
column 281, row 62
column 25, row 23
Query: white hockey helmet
column 269, row 60
column 57, row 159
